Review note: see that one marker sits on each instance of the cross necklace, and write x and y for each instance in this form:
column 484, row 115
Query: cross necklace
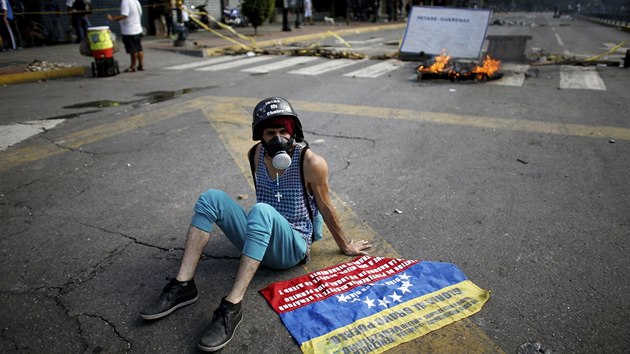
column 278, row 195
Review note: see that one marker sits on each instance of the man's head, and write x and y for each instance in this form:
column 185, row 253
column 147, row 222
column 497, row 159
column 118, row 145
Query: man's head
column 276, row 112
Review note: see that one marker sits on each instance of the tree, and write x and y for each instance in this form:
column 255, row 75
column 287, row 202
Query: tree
column 257, row 11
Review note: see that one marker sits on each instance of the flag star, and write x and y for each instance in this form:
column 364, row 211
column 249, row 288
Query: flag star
column 404, row 289
column 342, row 298
column 395, row 297
column 369, row 302
column 404, row 276
column 383, row 302
column 406, row 284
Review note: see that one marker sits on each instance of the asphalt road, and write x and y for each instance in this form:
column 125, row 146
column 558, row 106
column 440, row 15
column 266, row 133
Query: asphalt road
column 523, row 187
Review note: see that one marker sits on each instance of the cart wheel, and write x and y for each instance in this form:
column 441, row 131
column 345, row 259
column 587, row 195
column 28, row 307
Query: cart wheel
column 93, row 69
column 116, row 67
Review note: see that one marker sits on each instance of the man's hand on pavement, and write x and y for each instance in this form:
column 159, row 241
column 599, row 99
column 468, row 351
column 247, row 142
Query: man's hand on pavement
column 357, row 248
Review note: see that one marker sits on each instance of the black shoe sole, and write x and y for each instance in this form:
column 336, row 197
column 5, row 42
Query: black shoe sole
column 169, row 311
column 214, row 349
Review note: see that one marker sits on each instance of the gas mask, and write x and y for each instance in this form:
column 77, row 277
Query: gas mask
column 277, row 148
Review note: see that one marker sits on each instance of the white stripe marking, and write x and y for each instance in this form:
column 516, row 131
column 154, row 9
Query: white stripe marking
column 207, row 62
column 263, row 69
column 367, row 41
column 611, row 45
column 559, row 40
column 235, row 64
column 515, row 68
column 585, row 78
column 376, row 70
column 515, row 79
column 328, row 65
column 14, row 133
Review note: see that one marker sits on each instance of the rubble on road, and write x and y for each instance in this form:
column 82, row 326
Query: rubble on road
column 299, row 51
column 43, row 65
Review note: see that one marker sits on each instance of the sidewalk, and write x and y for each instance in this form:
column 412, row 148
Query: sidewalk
column 201, row 43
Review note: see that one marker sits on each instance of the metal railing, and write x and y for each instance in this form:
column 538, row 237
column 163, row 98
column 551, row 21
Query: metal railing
column 609, row 18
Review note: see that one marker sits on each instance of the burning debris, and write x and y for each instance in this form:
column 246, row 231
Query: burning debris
column 443, row 68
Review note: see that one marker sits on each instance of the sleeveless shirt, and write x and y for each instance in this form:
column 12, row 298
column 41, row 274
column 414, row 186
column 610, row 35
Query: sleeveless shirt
column 286, row 194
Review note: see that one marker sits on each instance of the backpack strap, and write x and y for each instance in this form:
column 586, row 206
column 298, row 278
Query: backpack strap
column 250, row 156
column 306, row 197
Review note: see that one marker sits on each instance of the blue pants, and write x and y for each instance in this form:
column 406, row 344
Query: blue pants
column 262, row 234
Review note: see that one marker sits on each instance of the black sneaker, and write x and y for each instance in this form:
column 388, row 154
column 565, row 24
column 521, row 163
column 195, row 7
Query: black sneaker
column 176, row 294
column 224, row 322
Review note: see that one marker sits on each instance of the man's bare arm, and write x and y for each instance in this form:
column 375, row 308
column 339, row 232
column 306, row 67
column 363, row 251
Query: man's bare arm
column 316, row 177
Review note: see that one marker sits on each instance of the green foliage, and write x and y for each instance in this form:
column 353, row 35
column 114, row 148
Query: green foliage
column 257, row 11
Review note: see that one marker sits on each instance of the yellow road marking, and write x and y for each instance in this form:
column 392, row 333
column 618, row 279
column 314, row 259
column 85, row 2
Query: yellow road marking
column 14, row 157
column 522, row 125
column 230, row 117
column 9, row 79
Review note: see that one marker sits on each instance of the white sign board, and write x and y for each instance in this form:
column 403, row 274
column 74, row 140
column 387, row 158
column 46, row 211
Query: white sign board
column 459, row 32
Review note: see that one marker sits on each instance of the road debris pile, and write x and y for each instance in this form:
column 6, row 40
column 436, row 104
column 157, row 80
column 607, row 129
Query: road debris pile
column 515, row 21
column 329, row 53
column 442, row 67
column 43, row 65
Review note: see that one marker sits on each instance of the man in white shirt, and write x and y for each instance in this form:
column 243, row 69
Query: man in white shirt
column 6, row 34
column 131, row 29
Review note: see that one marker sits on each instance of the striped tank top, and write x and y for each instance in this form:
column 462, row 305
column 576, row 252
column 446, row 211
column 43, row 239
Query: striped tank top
column 286, row 194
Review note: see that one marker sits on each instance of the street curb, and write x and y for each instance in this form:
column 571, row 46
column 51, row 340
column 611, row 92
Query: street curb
column 18, row 78
column 304, row 37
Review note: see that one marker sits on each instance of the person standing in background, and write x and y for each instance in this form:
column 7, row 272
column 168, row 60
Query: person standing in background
column 54, row 31
column 308, row 12
column 78, row 11
column 131, row 29
column 6, row 34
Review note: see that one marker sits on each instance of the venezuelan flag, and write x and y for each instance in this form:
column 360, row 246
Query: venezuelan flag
column 372, row 304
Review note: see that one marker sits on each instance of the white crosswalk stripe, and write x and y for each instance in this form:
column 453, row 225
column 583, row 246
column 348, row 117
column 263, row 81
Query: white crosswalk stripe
column 325, row 67
column 514, row 75
column 263, row 69
column 235, row 64
column 510, row 79
column 207, row 62
column 376, row 70
column 612, row 45
column 584, row 78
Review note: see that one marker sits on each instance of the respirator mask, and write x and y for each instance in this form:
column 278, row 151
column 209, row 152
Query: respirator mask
column 278, row 148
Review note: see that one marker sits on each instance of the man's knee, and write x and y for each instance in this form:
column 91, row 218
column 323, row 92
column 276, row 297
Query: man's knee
column 211, row 195
column 209, row 199
column 262, row 210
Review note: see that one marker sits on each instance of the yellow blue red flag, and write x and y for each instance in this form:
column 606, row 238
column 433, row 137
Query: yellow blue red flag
column 372, row 304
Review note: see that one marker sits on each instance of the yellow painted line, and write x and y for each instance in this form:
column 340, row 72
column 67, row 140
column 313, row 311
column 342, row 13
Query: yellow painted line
column 14, row 157
column 232, row 122
column 17, row 156
column 17, row 78
column 522, row 125
column 231, row 118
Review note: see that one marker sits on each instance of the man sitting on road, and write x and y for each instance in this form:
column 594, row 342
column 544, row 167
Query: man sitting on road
column 277, row 232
